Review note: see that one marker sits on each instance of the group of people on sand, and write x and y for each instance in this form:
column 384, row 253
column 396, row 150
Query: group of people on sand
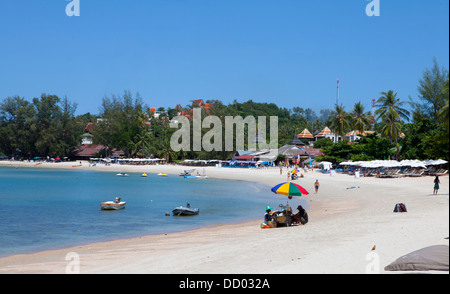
column 301, row 217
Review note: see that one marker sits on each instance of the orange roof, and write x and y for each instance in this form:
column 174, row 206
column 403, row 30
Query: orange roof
column 306, row 134
column 325, row 131
column 199, row 102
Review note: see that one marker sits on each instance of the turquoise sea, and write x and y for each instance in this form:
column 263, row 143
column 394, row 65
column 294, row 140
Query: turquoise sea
column 45, row 209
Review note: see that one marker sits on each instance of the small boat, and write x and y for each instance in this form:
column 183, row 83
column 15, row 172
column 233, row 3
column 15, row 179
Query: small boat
column 113, row 205
column 187, row 172
column 180, row 210
column 162, row 175
column 122, row 174
column 144, row 175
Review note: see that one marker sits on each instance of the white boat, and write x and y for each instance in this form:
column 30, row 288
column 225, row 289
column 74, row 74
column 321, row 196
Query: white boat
column 113, row 205
column 144, row 175
column 180, row 210
column 162, row 175
column 187, row 172
column 122, row 174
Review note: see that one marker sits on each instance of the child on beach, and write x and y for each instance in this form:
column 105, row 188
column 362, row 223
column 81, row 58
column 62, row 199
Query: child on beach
column 436, row 185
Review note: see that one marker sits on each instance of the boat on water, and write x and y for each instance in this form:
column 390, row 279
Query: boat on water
column 113, row 205
column 163, row 175
column 121, row 174
column 187, row 172
column 144, row 175
column 180, row 210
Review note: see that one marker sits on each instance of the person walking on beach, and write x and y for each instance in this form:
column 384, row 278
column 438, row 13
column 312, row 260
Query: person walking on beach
column 436, row 185
column 316, row 185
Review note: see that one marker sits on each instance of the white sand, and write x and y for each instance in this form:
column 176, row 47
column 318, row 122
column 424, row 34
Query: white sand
column 344, row 225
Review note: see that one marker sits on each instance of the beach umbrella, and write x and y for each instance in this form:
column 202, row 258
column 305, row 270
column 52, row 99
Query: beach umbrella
column 295, row 171
column 289, row 189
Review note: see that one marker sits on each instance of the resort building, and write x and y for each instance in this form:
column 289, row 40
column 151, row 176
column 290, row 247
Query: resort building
column 356, row 135
column 189, row 112
column 327, row 133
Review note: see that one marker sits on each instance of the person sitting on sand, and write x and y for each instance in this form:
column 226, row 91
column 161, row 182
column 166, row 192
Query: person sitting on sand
column 301, row 216
column 267, row 216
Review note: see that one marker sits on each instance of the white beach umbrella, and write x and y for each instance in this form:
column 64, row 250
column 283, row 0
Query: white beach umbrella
column 435, row 162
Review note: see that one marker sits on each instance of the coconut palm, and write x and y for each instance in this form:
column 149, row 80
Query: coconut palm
column 339, row 120
column 361, row 120
column 390, row 112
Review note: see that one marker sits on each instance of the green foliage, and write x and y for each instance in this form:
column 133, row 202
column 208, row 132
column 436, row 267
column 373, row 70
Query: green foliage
column 47, row 126
column 44, row 127
column 426, row 139
column 324, row 142
column 370, row 147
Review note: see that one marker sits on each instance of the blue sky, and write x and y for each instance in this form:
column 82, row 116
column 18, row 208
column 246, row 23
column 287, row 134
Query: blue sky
column 289, row 52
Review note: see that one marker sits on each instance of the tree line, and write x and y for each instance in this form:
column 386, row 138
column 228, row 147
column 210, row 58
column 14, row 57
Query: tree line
column 48, row 126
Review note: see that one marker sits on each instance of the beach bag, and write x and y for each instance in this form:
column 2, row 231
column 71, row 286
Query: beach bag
column 400, row 207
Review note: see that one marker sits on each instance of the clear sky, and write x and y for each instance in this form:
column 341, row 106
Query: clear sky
column 289, row 52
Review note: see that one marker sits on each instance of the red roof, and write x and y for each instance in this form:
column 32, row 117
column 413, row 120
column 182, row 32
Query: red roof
column 92, row 150
column 244, row 157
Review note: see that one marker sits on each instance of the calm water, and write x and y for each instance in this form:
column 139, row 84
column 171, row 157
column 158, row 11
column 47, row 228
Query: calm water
column 50, row 209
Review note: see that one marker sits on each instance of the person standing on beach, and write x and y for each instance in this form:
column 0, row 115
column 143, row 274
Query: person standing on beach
column 316, row 185
column 436, row 185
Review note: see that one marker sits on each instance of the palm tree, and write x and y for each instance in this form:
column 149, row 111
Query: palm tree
column 361, row 120
column 390, row 111
column 339, row 120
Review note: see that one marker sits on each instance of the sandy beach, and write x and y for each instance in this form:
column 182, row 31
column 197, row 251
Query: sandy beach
column 344, row 226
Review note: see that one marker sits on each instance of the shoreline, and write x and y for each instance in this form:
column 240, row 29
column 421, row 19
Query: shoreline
column 344, row 225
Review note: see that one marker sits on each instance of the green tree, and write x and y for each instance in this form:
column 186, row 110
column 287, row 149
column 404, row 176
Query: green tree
column 443, row 112
column 17, row 126
column 431, row 89
column 360, row 120
column 390, row 111
column 339, row 120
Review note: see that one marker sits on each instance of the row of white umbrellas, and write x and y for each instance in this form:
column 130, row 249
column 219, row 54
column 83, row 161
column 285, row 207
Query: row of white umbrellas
column 395, row 163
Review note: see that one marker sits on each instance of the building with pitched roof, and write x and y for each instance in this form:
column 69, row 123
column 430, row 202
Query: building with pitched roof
column 305, row 134
column 327, row 133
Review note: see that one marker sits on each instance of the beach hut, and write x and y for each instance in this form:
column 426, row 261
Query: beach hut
column 305, row 136
column 296, row 141
column 289, row 150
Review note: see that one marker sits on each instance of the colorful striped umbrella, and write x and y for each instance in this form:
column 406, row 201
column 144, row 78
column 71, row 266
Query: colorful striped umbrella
column 295, row 171
column 289, row 189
